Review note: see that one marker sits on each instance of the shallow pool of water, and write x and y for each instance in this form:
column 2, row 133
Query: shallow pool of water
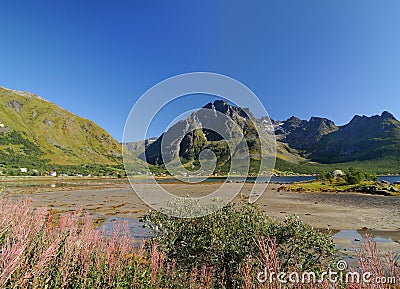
column 348, row 242
column 135, row 227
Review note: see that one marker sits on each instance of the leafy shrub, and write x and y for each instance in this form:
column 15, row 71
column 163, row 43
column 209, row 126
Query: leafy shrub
column 370, row 176
column 327, row 176
column 224, row 240
column 353, row 176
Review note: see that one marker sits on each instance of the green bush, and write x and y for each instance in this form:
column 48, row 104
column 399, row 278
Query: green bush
column 326, row 176
column 370, row 176
column 225, row 239
column 353, row 176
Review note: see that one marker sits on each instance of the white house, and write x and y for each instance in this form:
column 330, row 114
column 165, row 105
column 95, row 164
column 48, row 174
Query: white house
column 337, row 173
column 53, row 173
column 23, row 170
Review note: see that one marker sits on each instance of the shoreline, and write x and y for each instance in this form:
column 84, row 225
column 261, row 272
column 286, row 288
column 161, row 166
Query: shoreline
column 22, row 178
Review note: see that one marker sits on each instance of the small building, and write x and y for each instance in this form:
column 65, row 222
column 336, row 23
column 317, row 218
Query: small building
column 53, row 173
column 337, row 173
column 23, row 170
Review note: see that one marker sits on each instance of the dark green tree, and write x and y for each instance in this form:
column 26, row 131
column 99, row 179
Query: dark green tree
column 354, row 176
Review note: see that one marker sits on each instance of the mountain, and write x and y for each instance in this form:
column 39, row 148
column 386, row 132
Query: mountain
column 187, row 138
column 303, row 145
column 34, row 131
column 363, row 138
column 206, row 129
column 301, row 134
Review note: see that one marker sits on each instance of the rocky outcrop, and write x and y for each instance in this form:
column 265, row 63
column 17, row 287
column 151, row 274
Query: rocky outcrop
column 15, row 105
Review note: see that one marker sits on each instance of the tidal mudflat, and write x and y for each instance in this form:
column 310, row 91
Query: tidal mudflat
column 340, row 212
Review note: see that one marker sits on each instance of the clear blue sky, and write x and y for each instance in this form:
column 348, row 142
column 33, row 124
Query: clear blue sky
column 304, row 58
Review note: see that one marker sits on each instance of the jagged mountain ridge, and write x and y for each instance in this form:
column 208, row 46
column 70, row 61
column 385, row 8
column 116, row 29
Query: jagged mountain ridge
column 363, row 138
column 300, row 134
column 317, row 140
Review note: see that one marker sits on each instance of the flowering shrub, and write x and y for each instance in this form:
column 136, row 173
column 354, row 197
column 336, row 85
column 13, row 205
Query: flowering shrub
column 37, row 251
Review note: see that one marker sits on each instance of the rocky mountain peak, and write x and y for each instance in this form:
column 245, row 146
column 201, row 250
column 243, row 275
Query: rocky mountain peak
column 320, row 120
column 324, row 125
column 227, row 109
column 385, row 114
column 358, row 120
column 301, row 134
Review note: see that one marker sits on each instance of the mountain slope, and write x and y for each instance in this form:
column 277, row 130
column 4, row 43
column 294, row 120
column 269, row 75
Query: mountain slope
column 371, row 142
column 363, row 138
column 185, row 140
column 34, row 131
column 302, row 134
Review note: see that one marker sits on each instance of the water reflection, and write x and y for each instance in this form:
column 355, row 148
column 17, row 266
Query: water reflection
column 349, row 241
column 135, row 226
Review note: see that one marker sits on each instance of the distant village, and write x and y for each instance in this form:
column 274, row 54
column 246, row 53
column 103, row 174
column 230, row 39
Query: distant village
column 23, row 171
column 33, row 172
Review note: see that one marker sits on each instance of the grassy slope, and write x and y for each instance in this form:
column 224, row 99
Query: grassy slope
column 381, row 166
column 62, row 137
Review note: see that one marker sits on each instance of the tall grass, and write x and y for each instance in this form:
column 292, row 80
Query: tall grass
column 40, row 250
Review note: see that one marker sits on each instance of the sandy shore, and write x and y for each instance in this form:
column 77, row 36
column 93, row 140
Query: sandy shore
column 338, row 211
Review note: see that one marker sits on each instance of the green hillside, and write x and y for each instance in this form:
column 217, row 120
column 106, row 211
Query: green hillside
column 34, row 132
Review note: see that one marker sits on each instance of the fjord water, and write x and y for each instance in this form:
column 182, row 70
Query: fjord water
column 73, row 182
column 390, row 179
column 273, row 179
